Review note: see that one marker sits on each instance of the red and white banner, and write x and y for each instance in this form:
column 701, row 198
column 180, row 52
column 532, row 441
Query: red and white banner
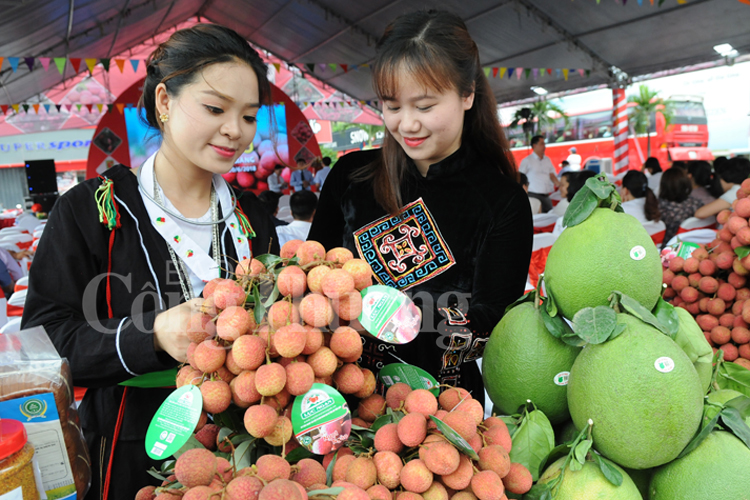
column 620, row 129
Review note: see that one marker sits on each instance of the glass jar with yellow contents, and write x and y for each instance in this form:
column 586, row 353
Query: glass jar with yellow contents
column 16, row 469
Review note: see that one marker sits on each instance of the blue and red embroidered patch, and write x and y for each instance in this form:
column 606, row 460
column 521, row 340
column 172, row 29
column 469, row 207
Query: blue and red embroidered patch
column 406, row 250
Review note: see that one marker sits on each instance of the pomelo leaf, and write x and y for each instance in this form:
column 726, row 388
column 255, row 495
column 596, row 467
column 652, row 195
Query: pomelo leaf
column 455, row 438
column 581, row 206
column 600, row 186
column 634, row 308
column 742, row 252
column 557, row 452
column 511, row 422
column 608, row 469
column 617, row 331
column 575, row 465
column 527, row 297
column 734, row 376
column 532, row 443
column 731, row 418
column 741, row 403
column 550, row 305
column 582, row 449
column 556, row 326
column 595, row 324
column 540, row 491
column 700, row 436
column 573, row 339
column 667, row 316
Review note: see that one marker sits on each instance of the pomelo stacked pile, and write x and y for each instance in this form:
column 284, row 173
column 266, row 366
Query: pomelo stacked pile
column 641, row 376
column 261, row 361
column 712, row 285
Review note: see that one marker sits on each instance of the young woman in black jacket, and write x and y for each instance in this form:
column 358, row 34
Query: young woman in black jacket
column 438, row 212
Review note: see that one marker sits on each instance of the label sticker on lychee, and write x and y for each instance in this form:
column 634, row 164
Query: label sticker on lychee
column 637, row 253
column 413, row 376
column 174, row 422
column 389, row 315
column 562, row 378
column 664, row 364
column 321, row 419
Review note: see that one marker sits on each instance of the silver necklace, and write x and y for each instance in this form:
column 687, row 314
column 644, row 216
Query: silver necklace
column 179, row 264
column 177, row 215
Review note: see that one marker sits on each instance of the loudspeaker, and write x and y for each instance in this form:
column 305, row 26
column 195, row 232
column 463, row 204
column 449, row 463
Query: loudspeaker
column 41, row 177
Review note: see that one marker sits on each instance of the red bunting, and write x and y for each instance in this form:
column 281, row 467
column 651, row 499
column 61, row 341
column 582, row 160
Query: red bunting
column 76, row 63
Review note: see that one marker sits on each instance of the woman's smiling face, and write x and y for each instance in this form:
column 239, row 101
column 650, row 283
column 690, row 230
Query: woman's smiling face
column 428, row 124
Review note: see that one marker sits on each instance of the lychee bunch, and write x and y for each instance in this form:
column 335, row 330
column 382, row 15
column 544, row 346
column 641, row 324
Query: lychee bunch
column 712, row 285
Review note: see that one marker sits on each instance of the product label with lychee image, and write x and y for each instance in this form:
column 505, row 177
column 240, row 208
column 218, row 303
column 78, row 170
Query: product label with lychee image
column 413, row 376
column 321, row 419
column 389, row 315
column 174, row 422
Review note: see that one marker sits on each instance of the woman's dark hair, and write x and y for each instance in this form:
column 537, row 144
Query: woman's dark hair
column 652, row 165
column 435, row 48
column 735, row 170
column 702, row 175
column 576, row 180
column 637, row 183
column 180, row 59
column 675, row 185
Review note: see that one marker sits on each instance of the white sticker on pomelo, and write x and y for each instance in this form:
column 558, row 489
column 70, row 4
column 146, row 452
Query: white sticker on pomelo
column 562, row 378
column 664, row 364
column 637, row 253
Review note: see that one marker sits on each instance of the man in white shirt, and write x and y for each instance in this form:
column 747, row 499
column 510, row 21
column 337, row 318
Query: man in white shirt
column 275, row 182
column 320, row 175
column 574, row 159
column 303, row 204
column 302, row 177
column 542, row 176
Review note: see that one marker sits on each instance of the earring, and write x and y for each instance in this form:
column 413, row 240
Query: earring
column 164, row 118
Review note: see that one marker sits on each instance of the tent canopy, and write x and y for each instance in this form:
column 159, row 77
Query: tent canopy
column 600, row 40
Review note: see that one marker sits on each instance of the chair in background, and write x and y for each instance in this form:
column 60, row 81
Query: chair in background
column 693, row 223
column 656, row 230
column 544, row 223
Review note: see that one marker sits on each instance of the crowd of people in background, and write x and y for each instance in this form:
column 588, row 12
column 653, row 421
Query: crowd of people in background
column 651, row 195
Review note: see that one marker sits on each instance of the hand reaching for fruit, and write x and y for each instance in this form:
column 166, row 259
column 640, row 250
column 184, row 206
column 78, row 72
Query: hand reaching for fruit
column 171, row 327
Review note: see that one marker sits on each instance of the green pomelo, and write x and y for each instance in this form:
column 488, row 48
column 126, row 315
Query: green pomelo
column 608, row 251
column 589, row 483
column 641, row 391
column 691, row 339
column 718, row 469
column 641, row 478
column 523, row 361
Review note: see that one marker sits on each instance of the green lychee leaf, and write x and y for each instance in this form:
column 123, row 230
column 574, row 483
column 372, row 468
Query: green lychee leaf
column 595, row 324
column 259, row 309
column 667, row 316
column 242, row 456
column 329, row 492
column 608, row 469
column 167, row 466
column 732, row 420
column 273, row 296
column 581, row 206
column 268, row 260
column 742, row 252
column 380, row 422
column 154, row 473
column 191, row 443
column 298, row 454
column 455, row 438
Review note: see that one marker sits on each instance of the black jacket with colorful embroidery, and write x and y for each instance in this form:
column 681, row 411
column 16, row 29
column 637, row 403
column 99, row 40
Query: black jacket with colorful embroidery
column 66, row 295
column 463, row 242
